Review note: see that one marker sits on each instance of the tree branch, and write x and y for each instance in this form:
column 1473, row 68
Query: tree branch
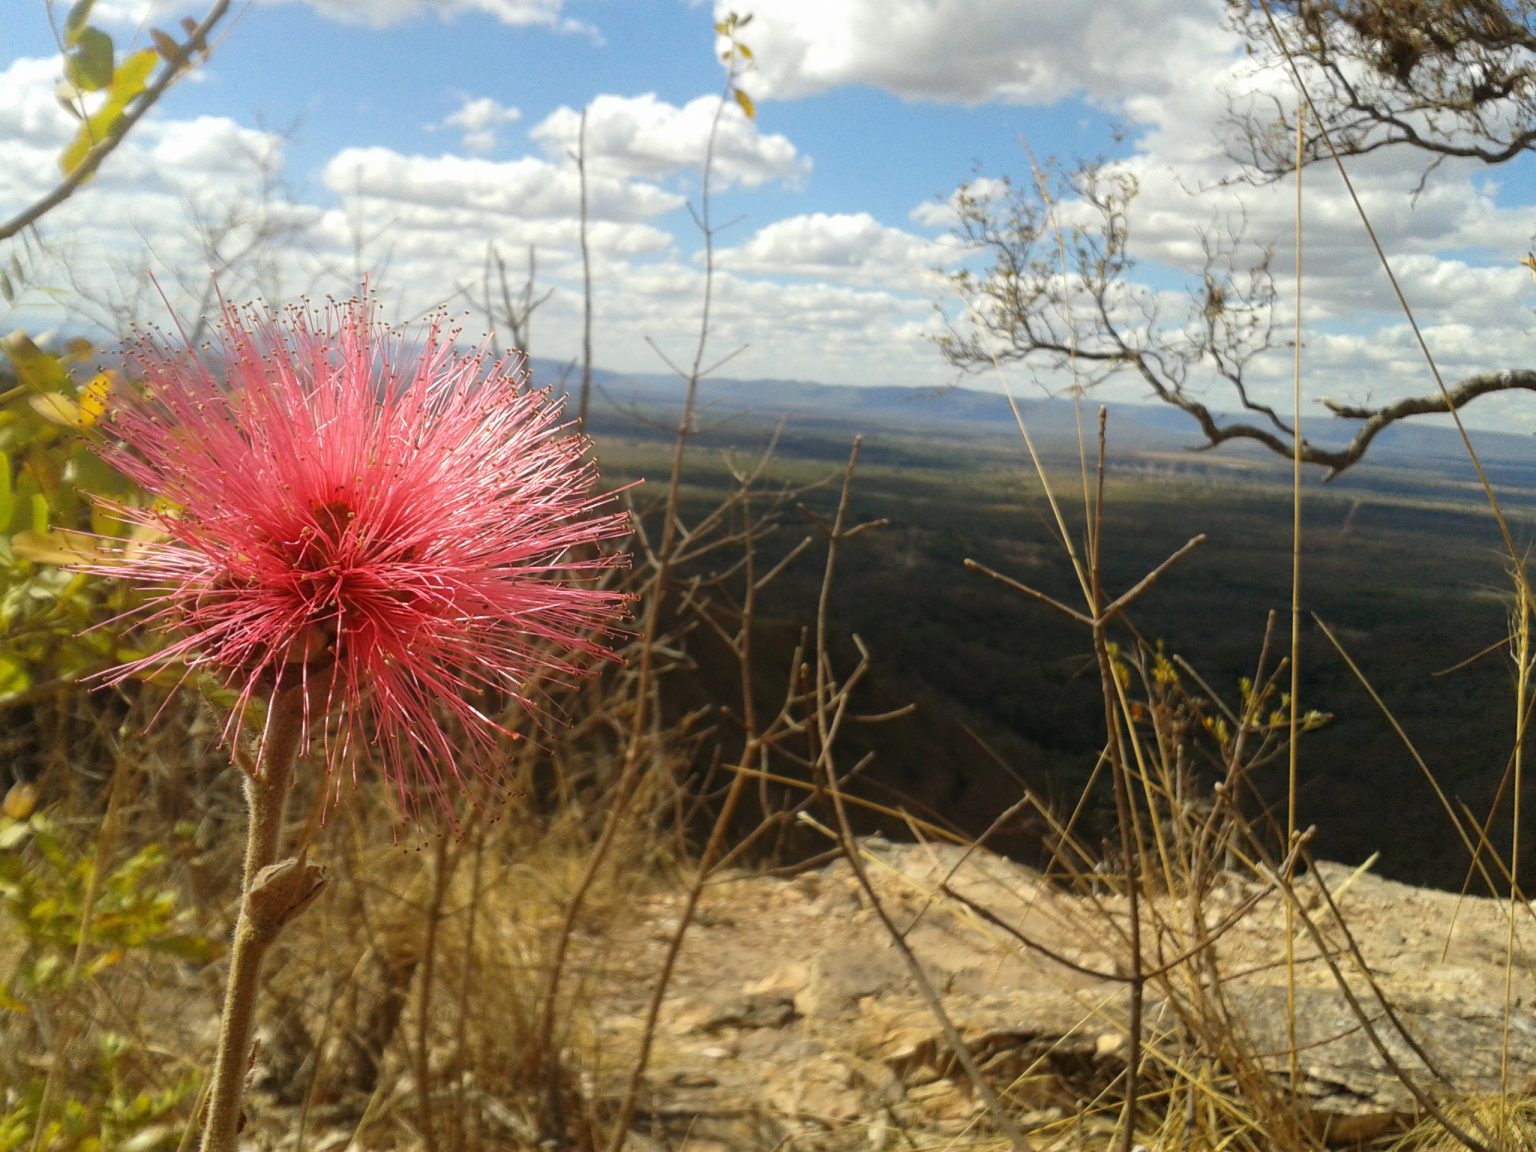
column 196, row 41
column 1077, row 310
column 1449, row 78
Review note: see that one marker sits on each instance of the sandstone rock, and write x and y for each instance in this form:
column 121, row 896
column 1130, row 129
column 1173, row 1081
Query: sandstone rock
column 793, row 1016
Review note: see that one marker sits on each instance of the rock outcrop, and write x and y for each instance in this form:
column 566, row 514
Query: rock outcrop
column 793, row 1016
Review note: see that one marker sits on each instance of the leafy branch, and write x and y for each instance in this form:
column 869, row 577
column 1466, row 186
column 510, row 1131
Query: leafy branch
column 128, row 92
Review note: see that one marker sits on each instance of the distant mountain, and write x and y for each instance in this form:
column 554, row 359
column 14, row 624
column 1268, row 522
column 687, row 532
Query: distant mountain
column 949, row 411
column 967, row 412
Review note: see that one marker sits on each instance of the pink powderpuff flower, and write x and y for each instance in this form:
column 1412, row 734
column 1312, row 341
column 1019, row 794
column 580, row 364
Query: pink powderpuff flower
column 387, row 523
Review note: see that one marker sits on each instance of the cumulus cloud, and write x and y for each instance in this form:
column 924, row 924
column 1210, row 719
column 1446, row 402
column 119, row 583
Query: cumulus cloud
column 143, row 13
column 30, row 118
column 512, row 13
column 648, row 138
column 528, row 187
column 548, row 14
column 167, row 156
column 943, row 213
column 851, row 248
column 478, row 119
column 177, row 199
column 1175, row 77
column 829, row 332
column 975, row 51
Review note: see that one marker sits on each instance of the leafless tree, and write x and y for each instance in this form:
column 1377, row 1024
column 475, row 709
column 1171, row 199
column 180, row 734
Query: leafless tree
column 504, row 306
column 586, row 275
column 244, row 243
column 1450, row 78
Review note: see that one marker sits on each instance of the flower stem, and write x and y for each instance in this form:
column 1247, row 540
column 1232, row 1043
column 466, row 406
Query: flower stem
column 266, row 794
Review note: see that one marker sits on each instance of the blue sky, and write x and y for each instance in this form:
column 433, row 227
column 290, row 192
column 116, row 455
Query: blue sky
column 404, row 135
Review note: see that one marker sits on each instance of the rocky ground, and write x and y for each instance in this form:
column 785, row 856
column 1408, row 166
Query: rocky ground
column 793, row 1020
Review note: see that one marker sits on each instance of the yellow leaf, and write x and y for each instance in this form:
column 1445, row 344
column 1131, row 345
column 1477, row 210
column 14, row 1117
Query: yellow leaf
column 19, row 801
column 132, row 76
column 40, row 371
column 56, row 408
column 745, row 103
column 59, row 549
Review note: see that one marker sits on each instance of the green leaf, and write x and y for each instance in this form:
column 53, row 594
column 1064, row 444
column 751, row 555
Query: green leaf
column 198, row 949
column 13, row 677
column 40, row 371
column 92, row 474
column 26, row 488
column 39, row 513
column 75, row 23
column 89, row 65
column 128, row 84
column 7, row 500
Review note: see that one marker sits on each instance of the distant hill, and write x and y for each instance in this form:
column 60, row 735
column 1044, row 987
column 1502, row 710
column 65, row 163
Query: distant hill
column 959, row 413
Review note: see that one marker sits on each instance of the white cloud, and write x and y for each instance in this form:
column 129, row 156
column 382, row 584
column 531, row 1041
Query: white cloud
column 176, row 198
column 849, row 248
column 943, row 213
column 648, row 138
column 188, row 157
column 525, row 188
column 30, row 117
column 834, row 333
column 973, row 51
column 138, row 14
column 478, row 119
column 548, row 14
column 385, row 13
column 1453, row 243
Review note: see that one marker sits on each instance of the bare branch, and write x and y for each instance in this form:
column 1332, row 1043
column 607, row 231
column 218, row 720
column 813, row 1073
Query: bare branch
column 1068, row 301
column 1450, row 78
column 586, row 275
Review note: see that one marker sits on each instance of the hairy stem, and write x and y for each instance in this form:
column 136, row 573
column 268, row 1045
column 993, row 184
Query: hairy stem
column 266, row 794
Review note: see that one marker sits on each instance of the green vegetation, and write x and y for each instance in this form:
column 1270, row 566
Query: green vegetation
column 1412, row 586
column 89, row 926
